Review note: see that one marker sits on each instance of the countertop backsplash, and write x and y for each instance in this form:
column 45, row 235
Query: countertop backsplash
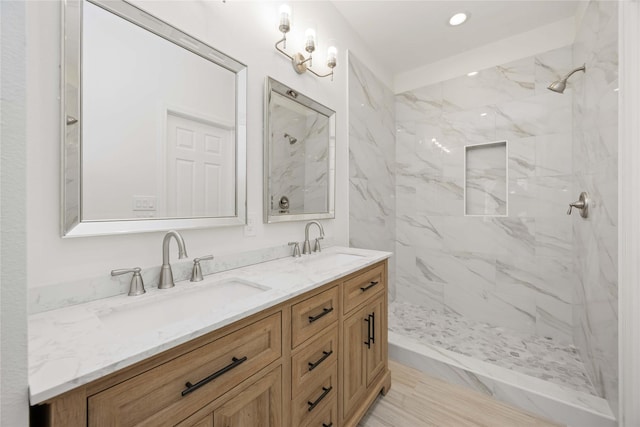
column 59, row 295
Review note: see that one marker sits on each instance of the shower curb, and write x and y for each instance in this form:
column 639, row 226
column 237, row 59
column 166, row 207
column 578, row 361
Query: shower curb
column 552, row 401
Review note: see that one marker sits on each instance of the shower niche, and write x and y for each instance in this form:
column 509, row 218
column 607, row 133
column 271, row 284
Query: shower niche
column 485, row 179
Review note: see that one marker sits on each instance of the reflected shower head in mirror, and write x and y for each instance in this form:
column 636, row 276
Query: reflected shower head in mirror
column 292, row 139
column 560, row 85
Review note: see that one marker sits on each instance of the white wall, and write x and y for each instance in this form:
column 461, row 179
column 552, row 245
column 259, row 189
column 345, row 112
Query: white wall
column 13, row 324
column 246, row 31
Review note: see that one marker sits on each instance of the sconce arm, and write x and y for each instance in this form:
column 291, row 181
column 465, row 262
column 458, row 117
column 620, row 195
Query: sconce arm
column 322, row 75
column 298, row 61
column 282, row 51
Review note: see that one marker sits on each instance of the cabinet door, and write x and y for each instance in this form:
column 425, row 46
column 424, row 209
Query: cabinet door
column 205, row 422
column 258, row 405
column 375, row 354
column 354, row 381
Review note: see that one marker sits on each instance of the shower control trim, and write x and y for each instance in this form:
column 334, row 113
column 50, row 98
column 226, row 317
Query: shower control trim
column 582, row 204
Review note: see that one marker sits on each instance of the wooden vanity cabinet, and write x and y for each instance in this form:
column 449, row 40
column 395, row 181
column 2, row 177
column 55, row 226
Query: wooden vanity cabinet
column 257, row 405
column 319, row 359
column 364, row 343
column 163, row 395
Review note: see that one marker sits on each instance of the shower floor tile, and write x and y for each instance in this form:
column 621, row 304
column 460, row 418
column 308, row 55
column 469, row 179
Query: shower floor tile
column 532, row 355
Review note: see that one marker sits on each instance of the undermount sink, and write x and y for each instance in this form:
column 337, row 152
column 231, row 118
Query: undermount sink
column 329, row 260
column 152, row 314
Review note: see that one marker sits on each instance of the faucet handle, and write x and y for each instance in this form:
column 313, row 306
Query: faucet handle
column 196, row 273
column 296, row 249
column 316, row 247
column 137, row 285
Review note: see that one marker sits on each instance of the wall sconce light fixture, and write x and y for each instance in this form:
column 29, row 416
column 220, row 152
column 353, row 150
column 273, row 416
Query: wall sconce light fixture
column 299, row 62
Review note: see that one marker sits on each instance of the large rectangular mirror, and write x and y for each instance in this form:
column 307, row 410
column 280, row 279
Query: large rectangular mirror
column 154, row 125
column 299, row 156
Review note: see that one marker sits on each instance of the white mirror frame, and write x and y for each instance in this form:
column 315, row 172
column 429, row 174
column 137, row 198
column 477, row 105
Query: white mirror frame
column 72, row 224
column 273, row 86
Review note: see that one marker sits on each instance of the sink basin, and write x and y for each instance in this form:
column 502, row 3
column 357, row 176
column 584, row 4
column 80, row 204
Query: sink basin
column 152, row 314
column 330, row 260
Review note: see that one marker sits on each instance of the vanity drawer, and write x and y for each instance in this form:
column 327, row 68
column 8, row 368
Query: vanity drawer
column 315, row 397
column 170, row 392
column 312, row 316
column 326, row 417
column 361, row 288
column 312, row 359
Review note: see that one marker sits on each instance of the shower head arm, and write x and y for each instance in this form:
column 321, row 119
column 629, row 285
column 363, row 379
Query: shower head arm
column 583, row 68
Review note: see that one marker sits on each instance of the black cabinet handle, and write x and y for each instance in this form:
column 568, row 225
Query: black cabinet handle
column 235, row 362
column 325, row 354
column 325, row 311
column 371, row 285
column 325, row 391
column 327, row 425
column 368, row 341
column 372, row 316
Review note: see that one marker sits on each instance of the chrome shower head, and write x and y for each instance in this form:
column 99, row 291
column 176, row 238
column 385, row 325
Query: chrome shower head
column 292, row 139
column 560, row 85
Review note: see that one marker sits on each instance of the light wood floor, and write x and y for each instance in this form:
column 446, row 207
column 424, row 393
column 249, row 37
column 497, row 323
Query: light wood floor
column 418, row 400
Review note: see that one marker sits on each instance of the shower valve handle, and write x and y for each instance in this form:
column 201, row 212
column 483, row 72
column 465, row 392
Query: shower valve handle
column 578, row 205
column 582, row 204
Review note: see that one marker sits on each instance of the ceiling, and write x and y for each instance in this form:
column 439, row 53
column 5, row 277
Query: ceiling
column 404, row 35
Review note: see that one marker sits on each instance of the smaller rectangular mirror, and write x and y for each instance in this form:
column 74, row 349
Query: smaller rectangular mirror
column 299, row 156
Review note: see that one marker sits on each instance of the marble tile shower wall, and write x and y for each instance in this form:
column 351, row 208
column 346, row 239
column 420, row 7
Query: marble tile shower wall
column 595, row 152
column 512, row 270
column 371, row 163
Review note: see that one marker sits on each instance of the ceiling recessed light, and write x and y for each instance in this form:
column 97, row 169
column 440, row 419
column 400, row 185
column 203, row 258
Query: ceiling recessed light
column 483, row 114
column 473, row 73
column 458, row 18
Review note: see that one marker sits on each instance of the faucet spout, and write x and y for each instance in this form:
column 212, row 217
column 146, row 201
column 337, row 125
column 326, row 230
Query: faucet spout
column 306, row 247
column 166, row 275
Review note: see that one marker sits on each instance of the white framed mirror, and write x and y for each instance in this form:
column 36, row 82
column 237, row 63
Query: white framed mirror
column 154, row 125
column 299, row 156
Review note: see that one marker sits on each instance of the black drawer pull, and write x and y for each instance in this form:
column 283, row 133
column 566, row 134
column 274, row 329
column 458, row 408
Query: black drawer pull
column 325, row 354
column 325, row 391
column 327, row 425
column 325, row 311
column 193, row 387
column 368, row 341
column 371, row 285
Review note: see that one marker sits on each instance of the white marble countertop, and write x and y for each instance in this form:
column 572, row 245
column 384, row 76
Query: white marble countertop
column 72, row 346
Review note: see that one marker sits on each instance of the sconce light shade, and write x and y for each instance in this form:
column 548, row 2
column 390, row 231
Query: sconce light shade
column 310, row 40
column 285, row 19
column 332, row 54
column 298, row 60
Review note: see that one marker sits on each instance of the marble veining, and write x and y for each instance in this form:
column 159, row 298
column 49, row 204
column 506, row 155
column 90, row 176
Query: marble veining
column 503, row 263
column 532, row 355
column 372, row 177
column 72, row 346
column 595, row 257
